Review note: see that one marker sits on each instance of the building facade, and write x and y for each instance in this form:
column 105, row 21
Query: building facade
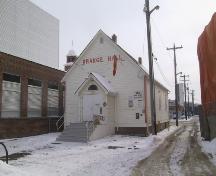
column 108, row 87
column 28, row 32
column 31, row 94
column 31, row 97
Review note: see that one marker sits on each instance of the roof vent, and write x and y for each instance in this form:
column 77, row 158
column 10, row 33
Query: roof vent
column 114, row 38
column 101, row 40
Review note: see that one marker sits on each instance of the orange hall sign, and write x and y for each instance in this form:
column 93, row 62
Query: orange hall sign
column 101, row 59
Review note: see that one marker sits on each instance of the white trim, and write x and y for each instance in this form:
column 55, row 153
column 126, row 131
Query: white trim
column 92, row 77
column 133, row 61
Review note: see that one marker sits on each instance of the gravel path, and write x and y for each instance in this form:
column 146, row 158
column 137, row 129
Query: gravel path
column 179, row 155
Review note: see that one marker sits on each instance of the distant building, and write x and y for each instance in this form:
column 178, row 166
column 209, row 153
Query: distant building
column 180, row 100
column 31, row 94
column 28, row 32
column 172, row 109
column 180, row 93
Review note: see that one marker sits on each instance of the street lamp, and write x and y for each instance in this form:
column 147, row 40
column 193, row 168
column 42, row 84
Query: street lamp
column 145, row 9
column 188, row 90
column 180, row 73
column 155, row 8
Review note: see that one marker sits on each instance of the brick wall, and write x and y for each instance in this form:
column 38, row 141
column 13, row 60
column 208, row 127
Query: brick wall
column 12, row 128
column 0, row 88
column 25, row 126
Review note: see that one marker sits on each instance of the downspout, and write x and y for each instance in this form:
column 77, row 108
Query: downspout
column 64, row 102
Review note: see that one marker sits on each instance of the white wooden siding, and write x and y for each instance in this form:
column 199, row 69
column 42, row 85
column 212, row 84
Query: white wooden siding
column 125, row 82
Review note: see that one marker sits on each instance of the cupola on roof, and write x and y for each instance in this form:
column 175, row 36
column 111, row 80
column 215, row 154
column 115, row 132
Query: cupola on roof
column 71, row 53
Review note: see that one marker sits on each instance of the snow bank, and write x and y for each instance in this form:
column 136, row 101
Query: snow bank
column 16, row 145
column 209, row 148
column 7, row 170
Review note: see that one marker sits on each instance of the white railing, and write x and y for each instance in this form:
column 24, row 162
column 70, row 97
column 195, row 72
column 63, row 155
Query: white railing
column 91, row 125
column 59, row 124
column 90, row 128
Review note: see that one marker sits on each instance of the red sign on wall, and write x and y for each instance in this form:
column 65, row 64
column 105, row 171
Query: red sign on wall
column 101, row 59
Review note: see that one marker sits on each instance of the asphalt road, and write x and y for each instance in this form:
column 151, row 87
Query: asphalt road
column 179, row 155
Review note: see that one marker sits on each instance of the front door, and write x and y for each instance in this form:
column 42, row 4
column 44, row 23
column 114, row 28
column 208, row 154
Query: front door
column 92, row 105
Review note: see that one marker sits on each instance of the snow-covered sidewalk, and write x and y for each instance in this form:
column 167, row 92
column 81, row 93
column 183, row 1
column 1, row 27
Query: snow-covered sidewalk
column 115, row 155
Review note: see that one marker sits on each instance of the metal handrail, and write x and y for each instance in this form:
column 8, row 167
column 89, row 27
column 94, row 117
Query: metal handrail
column 87, row 131
column 6, row 151
column 90, row 126
column 58, row 121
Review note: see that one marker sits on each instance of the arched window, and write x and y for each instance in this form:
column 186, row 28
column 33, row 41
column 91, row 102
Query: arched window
column 92, row 87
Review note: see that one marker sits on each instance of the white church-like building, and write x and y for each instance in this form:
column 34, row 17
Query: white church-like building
column 107, row 92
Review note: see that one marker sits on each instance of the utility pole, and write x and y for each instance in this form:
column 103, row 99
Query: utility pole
column 188, row 89
column 192, row 97
column 176, row 93
column 185, row 95
column 151, row 72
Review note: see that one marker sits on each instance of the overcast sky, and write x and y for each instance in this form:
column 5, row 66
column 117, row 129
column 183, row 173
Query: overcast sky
column 179, row 21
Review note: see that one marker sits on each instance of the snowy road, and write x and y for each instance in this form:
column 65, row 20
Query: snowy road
column 179, row 155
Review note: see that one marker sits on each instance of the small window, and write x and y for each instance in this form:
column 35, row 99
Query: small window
column 34, row 82
column 101, row 40
column 11, row 78
column 52, row 86
column 92, row 87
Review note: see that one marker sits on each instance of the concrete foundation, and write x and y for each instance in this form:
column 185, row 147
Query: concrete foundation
column 140, row 131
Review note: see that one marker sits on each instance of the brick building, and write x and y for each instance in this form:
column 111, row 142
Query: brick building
column 31, row 97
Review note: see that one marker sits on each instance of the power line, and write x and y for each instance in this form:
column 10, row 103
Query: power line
column 163, row 44
column 161, row 39
column 163, row 75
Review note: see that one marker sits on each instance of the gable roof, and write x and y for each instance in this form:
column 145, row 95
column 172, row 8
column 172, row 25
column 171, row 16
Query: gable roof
column 101, row 81
column 141, row 67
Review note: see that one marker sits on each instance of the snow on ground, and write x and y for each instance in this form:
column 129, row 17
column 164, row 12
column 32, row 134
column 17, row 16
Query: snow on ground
column 8, row 170
column 181, row 119
column 97, row 158
column 28, row 143
column 209, row 147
